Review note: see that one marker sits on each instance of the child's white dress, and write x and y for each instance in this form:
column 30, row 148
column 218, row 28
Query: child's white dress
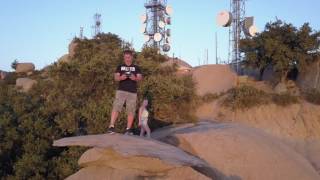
column 144, row 117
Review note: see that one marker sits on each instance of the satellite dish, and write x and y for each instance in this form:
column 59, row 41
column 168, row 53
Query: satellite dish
column 157, row 37
column 143, row 28
column 169, row 10
column 253, row 30
column 143, row 18
column 166, row 47
column 248, row 22
column 162, row 24
column 224, row 18
column 146, row 38
column 168, row 20
column 168, row 40
column 168, row 32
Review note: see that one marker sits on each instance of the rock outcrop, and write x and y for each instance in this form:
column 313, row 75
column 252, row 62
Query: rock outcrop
column 297, row 122
column 3, row 75
column 240, row 152
column 25, row 67
column 122, row 157
column 198, row 151
column 72, row 48
column 64, row 59
column 25, row 84
column 214, row 79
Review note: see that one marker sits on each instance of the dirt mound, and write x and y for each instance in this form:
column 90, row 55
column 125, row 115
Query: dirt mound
column 214, row 78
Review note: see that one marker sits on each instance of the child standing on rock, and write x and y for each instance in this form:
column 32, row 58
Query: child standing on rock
column 143, row 118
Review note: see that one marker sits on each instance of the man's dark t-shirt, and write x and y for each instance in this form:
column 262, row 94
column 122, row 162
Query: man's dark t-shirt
column 128, row 84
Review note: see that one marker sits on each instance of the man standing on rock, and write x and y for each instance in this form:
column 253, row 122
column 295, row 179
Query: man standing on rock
column 127, row 75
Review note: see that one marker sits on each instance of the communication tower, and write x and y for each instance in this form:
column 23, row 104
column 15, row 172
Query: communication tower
column 239, row 27
column 154, row 24
column 97, row 24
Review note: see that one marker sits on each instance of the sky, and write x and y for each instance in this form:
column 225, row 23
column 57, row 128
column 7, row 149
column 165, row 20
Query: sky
column 39, row 31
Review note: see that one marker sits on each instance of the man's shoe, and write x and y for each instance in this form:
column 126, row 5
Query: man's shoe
column 111, row 130
column 128, row 132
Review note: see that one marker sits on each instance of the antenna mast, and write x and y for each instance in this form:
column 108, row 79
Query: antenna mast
column 237, row 8
column 154, row 28
column 81, row 33
column 97, row 24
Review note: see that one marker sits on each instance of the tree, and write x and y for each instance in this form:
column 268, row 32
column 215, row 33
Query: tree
column 280, row 45
column 14, row 64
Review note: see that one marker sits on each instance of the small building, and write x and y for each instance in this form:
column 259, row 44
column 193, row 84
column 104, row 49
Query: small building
column 183, row 67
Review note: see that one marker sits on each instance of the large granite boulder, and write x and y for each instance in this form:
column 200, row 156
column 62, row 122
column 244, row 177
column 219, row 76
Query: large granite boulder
column 240, row 152
column 25, row 84
column 198, row 151
column 25, row 67
column 214, row 79
column 128, row 157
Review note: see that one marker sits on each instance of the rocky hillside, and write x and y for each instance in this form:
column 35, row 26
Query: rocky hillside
column 267, row 141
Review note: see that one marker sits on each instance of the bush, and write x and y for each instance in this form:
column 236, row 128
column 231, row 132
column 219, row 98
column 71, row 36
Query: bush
column 312, row 96
column 76, row 98
column 209, row 97
column 245, row 97
column 285, row 99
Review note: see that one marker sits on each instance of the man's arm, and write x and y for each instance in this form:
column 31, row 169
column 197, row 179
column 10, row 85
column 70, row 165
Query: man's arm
column 117, row 77
column 137, row 77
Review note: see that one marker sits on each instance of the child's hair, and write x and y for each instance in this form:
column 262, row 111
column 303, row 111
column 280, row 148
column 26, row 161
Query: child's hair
column 145, row 99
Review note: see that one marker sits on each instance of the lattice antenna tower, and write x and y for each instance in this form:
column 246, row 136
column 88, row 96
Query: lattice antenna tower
column 97, row 24
column 239, row 27
column 81, row 33
column 237, row 8
column 155, row 24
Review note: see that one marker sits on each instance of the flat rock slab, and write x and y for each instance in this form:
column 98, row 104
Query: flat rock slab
column 241, row 152
column 135, row 146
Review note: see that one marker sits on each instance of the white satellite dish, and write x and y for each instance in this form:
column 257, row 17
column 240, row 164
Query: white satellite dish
column 168, row 20
column 162, row 24
column 157, row 37
column 168, row 32
column 143, row 18
column 143, row 28
column 168, row 40
column 169, row 10
column 146, row 38
column 166, row 47
column 253, row 30
column 224, row 18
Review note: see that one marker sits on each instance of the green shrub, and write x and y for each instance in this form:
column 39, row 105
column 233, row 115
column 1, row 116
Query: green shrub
column 312, row 96
column 209, row 97
column 76, row 98
column 285, row 99
column 245, row 97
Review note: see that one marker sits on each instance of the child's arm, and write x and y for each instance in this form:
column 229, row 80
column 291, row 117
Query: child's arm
column 140, row 111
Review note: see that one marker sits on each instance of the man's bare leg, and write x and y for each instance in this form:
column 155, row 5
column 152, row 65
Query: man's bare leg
column 130, row 121
column 114, row 116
